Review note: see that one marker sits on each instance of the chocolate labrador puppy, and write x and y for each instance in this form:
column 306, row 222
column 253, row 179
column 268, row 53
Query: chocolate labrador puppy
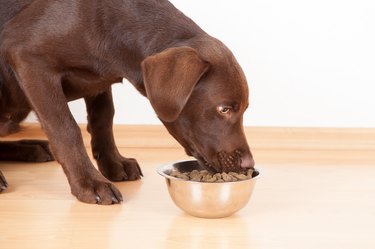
column 54, row 51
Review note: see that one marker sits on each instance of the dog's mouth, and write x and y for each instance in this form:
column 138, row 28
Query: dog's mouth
column 221, row 162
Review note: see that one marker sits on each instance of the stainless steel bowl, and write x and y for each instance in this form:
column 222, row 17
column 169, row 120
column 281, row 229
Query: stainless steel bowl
column 204, row 199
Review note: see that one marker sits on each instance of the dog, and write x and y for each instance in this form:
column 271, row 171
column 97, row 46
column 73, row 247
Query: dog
column 52, row 52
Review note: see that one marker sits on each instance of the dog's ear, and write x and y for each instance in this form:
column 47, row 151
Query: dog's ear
column 170, row 77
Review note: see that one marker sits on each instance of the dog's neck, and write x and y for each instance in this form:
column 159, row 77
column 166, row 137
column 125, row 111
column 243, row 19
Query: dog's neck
column 143, row 30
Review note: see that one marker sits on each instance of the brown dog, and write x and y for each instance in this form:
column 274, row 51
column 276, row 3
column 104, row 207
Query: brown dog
column 55, row 51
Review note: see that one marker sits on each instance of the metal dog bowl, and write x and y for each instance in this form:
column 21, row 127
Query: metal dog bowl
column 205, row 199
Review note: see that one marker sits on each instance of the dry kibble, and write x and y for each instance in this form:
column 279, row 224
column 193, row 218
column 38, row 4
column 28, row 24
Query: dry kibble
column 241, row 177
column 205, row 176
column 218, row 176
column 203, row 172
column 194, row 173
column 226, row 177
column 180, row 175
column 210, row 179
column 196, row 178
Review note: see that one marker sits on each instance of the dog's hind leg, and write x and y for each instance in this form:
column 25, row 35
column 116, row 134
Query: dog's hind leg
column 3, row 182
column 22, row 150
column 25, row 150
column 8, row 126
column 115, row 167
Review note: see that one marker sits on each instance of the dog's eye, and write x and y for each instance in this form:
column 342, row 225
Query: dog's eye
column 224, row 109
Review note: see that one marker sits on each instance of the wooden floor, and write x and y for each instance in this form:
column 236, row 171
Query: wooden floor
column 317, row 190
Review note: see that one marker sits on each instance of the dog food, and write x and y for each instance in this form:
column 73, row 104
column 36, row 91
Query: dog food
column 205, row 176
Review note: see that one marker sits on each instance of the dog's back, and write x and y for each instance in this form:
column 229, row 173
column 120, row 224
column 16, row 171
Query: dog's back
column 9, row 8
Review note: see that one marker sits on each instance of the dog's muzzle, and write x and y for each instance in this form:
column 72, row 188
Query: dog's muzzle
column 235, row 161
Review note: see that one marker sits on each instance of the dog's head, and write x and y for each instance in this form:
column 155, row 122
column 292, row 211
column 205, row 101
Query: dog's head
column 200, row 96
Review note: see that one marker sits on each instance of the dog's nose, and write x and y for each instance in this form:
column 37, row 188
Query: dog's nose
column 247, row 161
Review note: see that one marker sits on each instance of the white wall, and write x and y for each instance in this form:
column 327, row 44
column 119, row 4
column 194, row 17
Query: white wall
column 308, row 63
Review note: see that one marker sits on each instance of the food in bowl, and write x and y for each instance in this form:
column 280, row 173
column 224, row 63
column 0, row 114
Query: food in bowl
column 206, row 176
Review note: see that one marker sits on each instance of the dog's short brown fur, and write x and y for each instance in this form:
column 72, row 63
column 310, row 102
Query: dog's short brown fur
column 55, row 51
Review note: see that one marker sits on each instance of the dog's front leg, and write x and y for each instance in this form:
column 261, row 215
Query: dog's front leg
column 42, row 86
column 115, row 167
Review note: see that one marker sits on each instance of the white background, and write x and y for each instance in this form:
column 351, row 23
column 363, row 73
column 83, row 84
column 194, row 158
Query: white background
column 308, row 63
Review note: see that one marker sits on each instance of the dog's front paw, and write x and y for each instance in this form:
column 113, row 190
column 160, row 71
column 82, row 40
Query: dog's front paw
column 120, row 168
column 96, row 190
column 3, row 182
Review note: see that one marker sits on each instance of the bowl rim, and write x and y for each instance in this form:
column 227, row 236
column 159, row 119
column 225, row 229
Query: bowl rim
column 161, row 172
